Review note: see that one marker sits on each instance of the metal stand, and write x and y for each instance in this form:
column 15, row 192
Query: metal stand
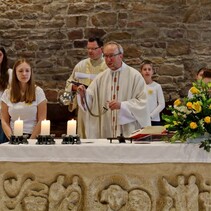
column 45, row 140
column 121, row 139
column 69, row 139
column 18, row 140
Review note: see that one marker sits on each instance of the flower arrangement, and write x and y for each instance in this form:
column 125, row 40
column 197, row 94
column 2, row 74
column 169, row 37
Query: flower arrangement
column 191, row 117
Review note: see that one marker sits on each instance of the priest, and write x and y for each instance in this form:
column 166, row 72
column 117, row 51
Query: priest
column 116, row 100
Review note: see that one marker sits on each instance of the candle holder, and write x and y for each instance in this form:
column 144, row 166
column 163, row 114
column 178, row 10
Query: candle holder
column 18, row 139
column 45, row 139
column 69, row 139
column 121, row 139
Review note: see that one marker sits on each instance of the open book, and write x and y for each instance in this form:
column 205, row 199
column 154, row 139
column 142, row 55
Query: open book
column 149, row 130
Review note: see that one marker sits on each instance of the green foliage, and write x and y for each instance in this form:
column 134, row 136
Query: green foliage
column 191, row 117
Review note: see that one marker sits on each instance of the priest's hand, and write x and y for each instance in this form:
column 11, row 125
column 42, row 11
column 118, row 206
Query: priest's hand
column 114, row 105
column 81, row 90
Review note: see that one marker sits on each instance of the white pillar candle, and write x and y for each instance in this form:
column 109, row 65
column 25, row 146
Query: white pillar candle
column 45, row 128
column 18, row 127
column 71, row 127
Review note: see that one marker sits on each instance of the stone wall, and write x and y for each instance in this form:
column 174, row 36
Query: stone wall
column 52, row 34
column 175, row 35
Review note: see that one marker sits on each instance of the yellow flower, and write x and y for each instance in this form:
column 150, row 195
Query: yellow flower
column 175, row 123
column 194, row 90
column 167, row 126
column 209, row 106
column 150, row 91
column 189, row 105
column 207, row 119
column 193, row 125
column 197, row 106
column 177, row 102
column 209, row 84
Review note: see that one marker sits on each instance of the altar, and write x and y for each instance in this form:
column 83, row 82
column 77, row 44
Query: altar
column 97, row 175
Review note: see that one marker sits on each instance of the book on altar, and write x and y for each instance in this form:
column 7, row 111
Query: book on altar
column 149, row 130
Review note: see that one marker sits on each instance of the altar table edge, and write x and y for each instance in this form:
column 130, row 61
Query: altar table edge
column 102, row 151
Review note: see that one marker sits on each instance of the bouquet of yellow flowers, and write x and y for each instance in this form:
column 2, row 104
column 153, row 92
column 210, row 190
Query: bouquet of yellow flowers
column 191, row 117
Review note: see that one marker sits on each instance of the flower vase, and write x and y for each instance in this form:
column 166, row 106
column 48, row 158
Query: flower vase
column 198, row 139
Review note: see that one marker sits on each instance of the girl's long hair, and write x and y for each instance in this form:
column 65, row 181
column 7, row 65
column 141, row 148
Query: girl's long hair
column 4, row 75
column 15, row 92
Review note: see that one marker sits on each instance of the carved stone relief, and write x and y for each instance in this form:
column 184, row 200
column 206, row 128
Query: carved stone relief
column 105, row 192
column 118, row 192
column 23, row 192
column 186, row 195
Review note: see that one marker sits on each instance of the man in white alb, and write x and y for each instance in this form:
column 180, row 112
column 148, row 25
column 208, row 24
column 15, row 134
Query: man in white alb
column 84, row 72
column 122, row 90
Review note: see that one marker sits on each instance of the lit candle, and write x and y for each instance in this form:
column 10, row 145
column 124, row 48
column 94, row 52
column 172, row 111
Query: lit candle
column 45, row 128
column 18, row 127
column 71, row 127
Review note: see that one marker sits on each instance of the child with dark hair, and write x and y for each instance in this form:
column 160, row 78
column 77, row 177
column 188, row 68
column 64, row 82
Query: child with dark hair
column 199, row 76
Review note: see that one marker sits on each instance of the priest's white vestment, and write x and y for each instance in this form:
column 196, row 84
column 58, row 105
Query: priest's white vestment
column 126, row 85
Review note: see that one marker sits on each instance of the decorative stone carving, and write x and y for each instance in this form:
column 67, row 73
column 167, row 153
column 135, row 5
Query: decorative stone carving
column 139, row 200
column 118, row 192
column 115, row 197
column 185, row 197
column 206, row 198
column 21, row 192
column 97, row 187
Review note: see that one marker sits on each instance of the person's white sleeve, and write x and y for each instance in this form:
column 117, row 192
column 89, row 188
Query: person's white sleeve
column 40, row 95
column 88, row 100
column 5, row 96
column 125, row 115
column 161, row 103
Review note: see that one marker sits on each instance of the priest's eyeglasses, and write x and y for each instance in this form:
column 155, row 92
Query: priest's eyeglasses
column 110, row 56
column 92, row 49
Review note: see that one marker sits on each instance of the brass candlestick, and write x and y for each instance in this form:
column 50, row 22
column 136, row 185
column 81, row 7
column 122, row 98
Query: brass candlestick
column 18, row 139
column 45, row 139
column 69, row 139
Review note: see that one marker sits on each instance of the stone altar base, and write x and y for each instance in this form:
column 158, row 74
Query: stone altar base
column 104, row 187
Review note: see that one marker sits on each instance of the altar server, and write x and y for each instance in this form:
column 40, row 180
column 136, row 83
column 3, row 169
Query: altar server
column 84, row 72
column 156, row 101
column 23, row 100
column 116, row 99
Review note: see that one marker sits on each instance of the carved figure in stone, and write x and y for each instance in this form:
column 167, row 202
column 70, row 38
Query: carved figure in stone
column 36, row 197
column 25, row 193
column 35, row 203
column 73, row 196
column 177, row 193
column 15, row 190
column 192, row 194
column 139, row 200
column 206, row 198
column 56, row 193
column 115, row 197
column 12, row 186
column 168, row 205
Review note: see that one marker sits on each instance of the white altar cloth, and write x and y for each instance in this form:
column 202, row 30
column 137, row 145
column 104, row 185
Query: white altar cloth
column 102, row 151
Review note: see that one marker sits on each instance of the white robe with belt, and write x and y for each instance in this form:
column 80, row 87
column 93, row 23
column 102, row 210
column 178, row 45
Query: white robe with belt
column 132, row 94
column 84, row 72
